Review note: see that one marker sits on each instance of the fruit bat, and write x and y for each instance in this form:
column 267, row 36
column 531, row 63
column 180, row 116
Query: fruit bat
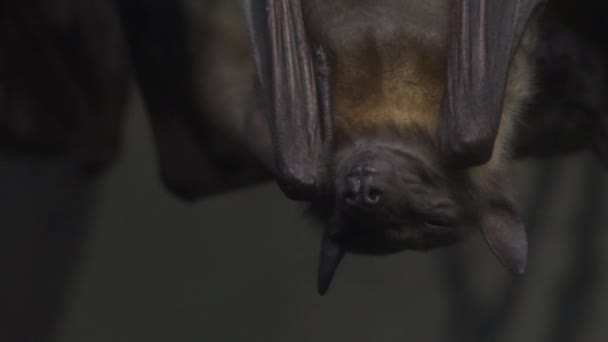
column 200, row 149
column 393, row 119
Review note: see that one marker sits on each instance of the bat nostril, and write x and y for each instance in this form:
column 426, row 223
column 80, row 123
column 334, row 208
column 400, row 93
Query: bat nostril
column 352, row 191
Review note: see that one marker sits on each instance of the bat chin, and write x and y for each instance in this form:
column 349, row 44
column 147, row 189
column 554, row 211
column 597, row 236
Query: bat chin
column 394, row 240
column 364, row 240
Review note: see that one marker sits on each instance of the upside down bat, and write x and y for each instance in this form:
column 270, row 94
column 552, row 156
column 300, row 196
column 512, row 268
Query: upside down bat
column 379, row 77
column 393, row 119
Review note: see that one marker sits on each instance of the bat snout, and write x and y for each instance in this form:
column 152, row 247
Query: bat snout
column 362, row 192
column 364, row 187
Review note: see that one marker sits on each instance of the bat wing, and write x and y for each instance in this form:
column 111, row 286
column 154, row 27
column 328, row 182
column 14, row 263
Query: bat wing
column 299, row 129
column 484, row 36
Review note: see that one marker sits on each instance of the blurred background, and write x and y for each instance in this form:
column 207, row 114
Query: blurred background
column 115, row 257
column 242, row 266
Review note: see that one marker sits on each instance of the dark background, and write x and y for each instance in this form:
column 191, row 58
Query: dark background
column 242, row 266
column 117, row 258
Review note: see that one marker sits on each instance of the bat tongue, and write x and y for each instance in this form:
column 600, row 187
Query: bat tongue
column 331, row 255
column 505, row 233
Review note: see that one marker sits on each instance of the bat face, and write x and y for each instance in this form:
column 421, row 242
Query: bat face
column 392, row 193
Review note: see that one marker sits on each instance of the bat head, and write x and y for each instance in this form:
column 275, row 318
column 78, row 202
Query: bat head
column 393, row 192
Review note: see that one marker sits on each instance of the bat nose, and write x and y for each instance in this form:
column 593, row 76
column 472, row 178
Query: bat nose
column 363, row 188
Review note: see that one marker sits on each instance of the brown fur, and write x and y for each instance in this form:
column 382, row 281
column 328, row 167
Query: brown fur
column 401, row 84
column 381, row 86
column 386, row 72
column 390, row 71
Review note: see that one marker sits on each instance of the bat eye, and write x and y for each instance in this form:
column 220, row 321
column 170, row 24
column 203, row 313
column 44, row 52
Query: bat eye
column 373, row 195
column 436, row 223
column 433, row 225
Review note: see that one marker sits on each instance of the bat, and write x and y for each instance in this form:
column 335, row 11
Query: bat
column 199, row 148
column 393, row 119
column 362, row 122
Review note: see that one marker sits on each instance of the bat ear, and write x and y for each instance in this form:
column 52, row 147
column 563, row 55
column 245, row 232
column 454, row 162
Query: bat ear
column 505, row 233
column 331, row 255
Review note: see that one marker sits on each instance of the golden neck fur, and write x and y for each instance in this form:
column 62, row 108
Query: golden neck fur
column 387, row 71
